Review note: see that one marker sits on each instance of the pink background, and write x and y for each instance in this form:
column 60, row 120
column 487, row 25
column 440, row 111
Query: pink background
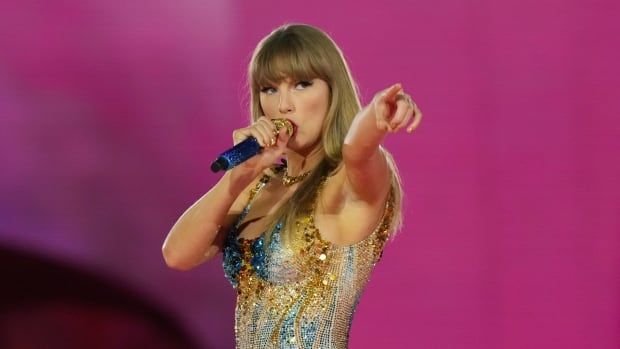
column 111, row 112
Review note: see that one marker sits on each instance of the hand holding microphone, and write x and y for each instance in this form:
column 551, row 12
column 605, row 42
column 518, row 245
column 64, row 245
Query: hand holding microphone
column 257, row 146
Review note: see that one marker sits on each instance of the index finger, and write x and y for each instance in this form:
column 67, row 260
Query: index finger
column 391, row 92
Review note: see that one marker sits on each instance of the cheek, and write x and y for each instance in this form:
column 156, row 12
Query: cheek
column 315, row 117
column 266, row 106
column 318, row 104
column 319, row 110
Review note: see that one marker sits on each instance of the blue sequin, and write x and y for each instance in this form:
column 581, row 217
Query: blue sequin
column 233, row 261
column 288, row 299
column 258, row 257
column 232, row 254
column 287, row 331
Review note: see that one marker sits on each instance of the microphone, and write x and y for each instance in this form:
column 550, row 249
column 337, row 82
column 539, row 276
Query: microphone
column 246, row 149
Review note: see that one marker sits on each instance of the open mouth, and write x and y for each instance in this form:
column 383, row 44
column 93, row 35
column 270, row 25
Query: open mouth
column 294, row 126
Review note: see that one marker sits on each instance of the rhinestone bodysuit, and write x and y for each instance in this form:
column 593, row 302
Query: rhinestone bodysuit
column 302, row 296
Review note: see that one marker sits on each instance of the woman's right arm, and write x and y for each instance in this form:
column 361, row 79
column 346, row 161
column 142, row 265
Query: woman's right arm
column 198, row 235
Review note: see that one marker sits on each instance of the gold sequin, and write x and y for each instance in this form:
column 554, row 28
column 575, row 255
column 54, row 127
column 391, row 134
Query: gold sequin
column 307, row 298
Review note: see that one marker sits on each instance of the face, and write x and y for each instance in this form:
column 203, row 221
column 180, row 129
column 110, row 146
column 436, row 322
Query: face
column 305, row 103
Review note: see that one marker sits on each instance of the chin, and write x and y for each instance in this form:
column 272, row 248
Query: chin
column 301, row 146
column 294, row 145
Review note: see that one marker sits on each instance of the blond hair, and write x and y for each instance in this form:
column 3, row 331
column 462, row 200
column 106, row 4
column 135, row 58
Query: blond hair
column 304, row 52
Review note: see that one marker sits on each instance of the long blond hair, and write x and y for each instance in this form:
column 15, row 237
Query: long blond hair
column 304, row 52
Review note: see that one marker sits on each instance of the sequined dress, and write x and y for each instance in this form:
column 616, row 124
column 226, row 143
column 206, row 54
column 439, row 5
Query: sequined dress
column 303, row 296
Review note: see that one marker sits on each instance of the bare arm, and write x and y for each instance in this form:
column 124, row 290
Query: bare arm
column 367, row 177
column 365, row 167
column 199, row 233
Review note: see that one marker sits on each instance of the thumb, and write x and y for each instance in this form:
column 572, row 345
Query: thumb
column 283, row 138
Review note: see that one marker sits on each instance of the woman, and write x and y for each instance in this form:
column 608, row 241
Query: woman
column 300, row 239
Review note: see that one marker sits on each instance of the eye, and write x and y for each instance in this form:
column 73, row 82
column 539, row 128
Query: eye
column 267, row 90
column 304, row 83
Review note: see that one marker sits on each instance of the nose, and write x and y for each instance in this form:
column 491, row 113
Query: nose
column 285, row 105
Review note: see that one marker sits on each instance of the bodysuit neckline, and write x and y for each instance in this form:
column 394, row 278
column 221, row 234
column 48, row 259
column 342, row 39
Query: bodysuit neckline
column 312, row 213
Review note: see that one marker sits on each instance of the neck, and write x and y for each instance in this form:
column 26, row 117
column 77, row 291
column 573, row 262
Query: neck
column 298, row 163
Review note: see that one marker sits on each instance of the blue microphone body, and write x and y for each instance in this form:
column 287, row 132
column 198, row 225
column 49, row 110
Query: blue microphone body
column 236, row 155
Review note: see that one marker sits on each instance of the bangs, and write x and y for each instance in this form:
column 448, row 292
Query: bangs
column 286, row 58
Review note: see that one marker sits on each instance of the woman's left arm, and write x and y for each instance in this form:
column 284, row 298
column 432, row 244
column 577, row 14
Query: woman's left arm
column 367, row 173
